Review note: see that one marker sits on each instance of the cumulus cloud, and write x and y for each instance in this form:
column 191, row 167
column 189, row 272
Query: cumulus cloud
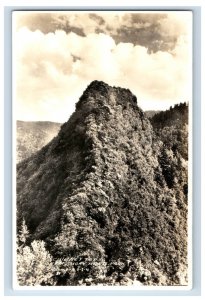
column 157, row 31
column 52, row 69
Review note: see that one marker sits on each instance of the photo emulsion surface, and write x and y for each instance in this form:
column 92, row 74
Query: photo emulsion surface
column 101, row 104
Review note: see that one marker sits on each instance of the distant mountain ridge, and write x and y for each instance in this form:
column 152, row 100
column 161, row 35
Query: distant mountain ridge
column 33, row 135
column 151, row 113
column 108, row 195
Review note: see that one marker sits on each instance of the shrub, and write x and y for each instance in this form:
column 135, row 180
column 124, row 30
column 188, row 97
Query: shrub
column 34, row 263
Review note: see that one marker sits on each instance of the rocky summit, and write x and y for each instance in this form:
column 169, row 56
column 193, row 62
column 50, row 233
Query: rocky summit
column 108, row 194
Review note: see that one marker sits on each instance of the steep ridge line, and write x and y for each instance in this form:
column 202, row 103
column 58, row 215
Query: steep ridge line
column 98, row 195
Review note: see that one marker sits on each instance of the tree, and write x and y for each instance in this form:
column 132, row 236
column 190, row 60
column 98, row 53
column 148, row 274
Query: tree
column 34, row 263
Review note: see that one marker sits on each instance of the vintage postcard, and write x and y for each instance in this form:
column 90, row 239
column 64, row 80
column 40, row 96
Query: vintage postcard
column 102, row 104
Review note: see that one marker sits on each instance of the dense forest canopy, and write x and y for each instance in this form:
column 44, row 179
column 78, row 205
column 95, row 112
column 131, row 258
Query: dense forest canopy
column 105, row 201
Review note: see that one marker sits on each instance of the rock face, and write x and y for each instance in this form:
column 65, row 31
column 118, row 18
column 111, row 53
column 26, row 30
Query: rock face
column 108, row 196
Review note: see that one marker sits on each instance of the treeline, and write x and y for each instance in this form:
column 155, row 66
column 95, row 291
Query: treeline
column 107, row 196
column 171, row 127
column 175, row 116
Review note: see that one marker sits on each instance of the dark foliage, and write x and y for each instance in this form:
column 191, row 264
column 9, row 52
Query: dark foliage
column 108, row 195
column 171, row 127
column 177, row 115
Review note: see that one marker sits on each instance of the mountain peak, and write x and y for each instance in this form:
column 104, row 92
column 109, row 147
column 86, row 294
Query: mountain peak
column 102, row 194
column 100, row 93
column 98, row 84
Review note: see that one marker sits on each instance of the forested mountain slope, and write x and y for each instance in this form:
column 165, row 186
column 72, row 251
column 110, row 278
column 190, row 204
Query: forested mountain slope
column 108, row 196
column 171, row 127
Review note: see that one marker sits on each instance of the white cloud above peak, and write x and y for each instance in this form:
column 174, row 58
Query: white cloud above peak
column 52, row 69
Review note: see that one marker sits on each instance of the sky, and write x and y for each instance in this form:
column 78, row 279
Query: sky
column 57, row 54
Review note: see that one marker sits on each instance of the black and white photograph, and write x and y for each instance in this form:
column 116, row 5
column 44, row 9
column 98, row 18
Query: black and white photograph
column 102, row 104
